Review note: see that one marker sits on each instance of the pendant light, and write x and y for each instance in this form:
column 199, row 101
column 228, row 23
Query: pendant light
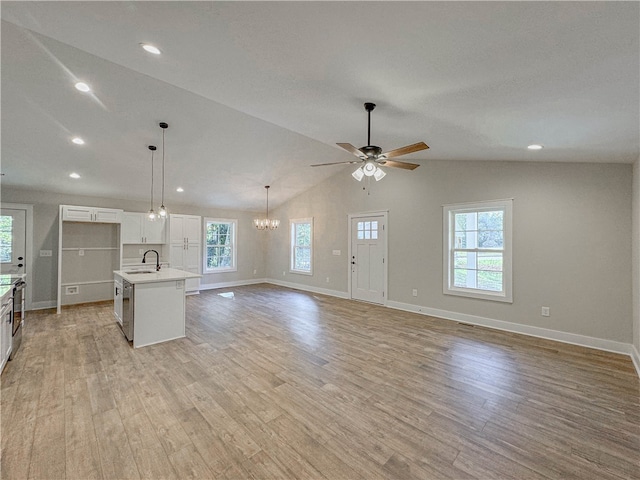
column 151, row 215
column 163, row 211
column 266, row 223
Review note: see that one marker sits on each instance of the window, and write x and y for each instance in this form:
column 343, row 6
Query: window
column 302, row 245
column 477, row 250
column 368, row 230
column 6, row 235
column 220, row 240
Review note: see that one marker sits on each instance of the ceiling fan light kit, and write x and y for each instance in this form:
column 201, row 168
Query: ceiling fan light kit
column 372, row 156
column 266, row 223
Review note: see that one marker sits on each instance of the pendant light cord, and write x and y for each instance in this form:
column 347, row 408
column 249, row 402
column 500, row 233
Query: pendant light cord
column 151, row 179
column 163, row 166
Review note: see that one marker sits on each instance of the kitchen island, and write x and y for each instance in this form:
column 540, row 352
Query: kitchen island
column 150, row 305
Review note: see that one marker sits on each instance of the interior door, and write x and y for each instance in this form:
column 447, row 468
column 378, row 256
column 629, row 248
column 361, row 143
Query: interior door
column 368, row 250
column 13, row 235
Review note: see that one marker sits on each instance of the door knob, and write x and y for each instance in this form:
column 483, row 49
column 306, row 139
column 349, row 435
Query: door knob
column 20, row 258
column 20, row 265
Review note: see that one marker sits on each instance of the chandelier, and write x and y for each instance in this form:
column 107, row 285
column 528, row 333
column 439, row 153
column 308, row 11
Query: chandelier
column 266, row 223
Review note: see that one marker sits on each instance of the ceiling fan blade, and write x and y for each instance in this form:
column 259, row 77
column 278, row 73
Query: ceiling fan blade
column 416, row 147
column 351, row 149
column 404, row 165
column 335, row 163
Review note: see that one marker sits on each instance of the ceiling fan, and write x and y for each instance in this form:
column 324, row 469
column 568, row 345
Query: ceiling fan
column 372, row 157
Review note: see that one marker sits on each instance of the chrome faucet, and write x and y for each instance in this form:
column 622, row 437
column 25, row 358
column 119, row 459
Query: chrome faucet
column 157, row 258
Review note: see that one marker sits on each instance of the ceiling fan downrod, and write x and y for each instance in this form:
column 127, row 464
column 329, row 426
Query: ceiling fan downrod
column 368, row 106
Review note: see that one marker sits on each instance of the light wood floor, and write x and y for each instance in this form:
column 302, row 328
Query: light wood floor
column 282, row 384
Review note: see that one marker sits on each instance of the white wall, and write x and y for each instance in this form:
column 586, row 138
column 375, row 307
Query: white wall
column 45, row 226
column 571, row 239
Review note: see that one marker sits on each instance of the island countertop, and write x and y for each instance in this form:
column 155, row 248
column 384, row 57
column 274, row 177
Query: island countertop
column 164, row 275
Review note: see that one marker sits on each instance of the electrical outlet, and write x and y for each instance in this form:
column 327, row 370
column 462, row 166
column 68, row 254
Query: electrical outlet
column 545, row 312
column 255, row 271
column 284, row 273
column 141, row 251
column 327, row 279
column 71, row 290
column 81, row 252
column 415, row 292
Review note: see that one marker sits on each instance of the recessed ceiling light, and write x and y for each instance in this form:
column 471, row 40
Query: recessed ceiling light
column 151, row 48
column 179, row 189
column 77, row 141
column 83, row 87
column 535, row 147
column 74, row 175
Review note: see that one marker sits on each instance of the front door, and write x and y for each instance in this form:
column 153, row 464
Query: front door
column 13, row 241
column 368, row 251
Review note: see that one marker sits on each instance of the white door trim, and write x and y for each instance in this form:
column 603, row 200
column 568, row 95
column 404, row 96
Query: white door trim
column 385, row 215
column 28, row 246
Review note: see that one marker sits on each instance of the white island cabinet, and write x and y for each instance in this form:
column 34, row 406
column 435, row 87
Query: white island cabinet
column 156, row 305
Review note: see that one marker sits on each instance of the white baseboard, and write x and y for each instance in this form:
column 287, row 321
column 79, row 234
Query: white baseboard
column 558, row 336
column 307, row 288
column 635, row 357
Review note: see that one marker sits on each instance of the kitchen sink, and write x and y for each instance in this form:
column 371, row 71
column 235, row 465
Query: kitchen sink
column 136, row 272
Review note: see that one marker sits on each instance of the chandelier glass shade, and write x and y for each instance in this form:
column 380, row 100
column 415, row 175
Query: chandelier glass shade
column 266, row 223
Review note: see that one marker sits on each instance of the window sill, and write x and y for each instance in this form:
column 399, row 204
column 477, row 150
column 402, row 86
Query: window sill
column 494, row 297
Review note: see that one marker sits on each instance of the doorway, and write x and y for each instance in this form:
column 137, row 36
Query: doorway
column 16, row 243
column 13, row 241
column 368, row 257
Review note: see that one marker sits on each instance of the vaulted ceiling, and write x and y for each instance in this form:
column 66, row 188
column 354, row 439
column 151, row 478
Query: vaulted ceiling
column 255, row 92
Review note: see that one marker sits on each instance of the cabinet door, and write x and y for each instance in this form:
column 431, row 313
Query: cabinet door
column 176, row 256
column 154, row 232
column 77, row 214
column 176, row 228
column 107, row 215
column 132, row 227
column 192, row 258
column 192, row 228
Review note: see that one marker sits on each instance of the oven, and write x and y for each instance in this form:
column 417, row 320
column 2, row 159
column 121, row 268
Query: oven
column 18, row 316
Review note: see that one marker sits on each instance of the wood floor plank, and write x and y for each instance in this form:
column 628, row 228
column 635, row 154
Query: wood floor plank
column 280, row 383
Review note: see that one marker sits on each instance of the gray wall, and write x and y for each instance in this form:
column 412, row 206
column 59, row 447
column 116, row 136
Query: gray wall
column 45, row 231
column 571, row 239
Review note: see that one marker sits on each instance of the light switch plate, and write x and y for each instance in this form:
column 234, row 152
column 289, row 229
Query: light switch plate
column 337, row 252
column 46, row 253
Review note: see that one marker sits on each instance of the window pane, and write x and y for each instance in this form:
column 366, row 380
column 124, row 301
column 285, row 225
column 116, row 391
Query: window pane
column 6, row 228
column 467, row 239
column 367, row 225
column 465, row 259
column 374, row 234
column 490, row 281
column 460, row 277
column 490, row 261
column 367, row 235
column 303, row 234
column 490, row 239
column 465, row 221
column 374, row 225
column 360, row 235
column 491, row 220
column 302, row 259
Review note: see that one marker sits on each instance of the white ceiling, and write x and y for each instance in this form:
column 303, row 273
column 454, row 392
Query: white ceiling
column 254, row 92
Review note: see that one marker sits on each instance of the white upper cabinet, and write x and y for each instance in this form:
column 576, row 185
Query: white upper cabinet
column 72, row 213
column 137, row 228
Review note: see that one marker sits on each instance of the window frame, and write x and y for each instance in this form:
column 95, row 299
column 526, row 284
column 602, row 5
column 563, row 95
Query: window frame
column 234, row 246
column 293, row 246
column 448, row 228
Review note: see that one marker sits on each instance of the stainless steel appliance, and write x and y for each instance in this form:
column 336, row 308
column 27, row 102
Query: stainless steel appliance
column 18, row 316
column 128, row 300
